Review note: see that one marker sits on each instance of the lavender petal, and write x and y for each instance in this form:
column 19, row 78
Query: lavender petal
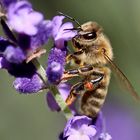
column 28, row 85
column 14, row 55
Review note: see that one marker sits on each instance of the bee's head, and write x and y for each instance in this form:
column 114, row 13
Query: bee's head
column 87, row 35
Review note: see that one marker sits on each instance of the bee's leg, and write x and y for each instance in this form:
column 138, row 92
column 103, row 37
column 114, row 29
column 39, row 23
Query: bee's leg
column 81, row 87
column 69, row 74
column 93, row 83
column 90, row 69
column 81, row 71
column 74, row 92
column 73, row 57
column 75, row 72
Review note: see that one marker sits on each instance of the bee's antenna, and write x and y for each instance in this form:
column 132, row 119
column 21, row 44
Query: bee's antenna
column 71, row 18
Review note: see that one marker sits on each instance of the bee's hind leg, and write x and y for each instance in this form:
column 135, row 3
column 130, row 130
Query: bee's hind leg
column 81, row 87
column 75, row 90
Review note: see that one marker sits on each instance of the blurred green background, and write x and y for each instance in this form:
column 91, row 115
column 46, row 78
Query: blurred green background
column 27, row 117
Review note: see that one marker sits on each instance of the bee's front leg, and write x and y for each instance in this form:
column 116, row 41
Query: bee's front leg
column 81, row 87
column 73, row 58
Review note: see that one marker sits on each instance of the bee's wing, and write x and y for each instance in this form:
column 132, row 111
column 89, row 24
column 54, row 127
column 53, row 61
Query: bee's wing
column 122, row 78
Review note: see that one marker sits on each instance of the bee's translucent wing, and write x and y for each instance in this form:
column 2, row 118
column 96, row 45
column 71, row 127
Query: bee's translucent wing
column 122, row 78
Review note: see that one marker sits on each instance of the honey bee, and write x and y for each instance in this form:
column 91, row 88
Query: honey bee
column 94, row 57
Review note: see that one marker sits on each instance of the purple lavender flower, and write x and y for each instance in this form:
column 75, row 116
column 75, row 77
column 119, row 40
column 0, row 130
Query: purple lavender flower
column 28, row 85
column 1, row 59
column 19, row 70
column 12, row 59
column 3, row 44
column 4, row 64
column 56, row 61
column 6, row 3
column 22, row 18
column 85, row 128
column 14, row 55
column 27, row 80
column 32, row 44
column 64, row 90
column 59, row 29
column 59, row 32
column 51, row 102
column 43, row 34
column 32, row 32
column 10, row 52
column 79, row 128
column 26, row 45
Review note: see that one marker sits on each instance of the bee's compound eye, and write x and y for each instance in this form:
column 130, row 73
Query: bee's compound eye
column 89, row 36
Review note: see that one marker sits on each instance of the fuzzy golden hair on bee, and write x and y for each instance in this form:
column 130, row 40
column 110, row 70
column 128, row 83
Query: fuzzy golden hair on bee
column 92, row 40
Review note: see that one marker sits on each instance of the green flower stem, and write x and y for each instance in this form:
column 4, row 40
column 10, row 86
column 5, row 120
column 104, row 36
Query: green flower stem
column 61, row 102
column 41, row 72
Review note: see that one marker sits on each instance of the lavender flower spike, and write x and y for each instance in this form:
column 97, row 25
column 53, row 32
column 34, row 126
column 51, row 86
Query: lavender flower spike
column 79, row 128
column 43, row 34
column 56, row 61
column 28, row 85
column 14, row 54
column 22, row 18
column 11, row 53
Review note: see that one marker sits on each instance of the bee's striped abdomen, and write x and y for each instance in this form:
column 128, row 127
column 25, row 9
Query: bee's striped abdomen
column 92, row 101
